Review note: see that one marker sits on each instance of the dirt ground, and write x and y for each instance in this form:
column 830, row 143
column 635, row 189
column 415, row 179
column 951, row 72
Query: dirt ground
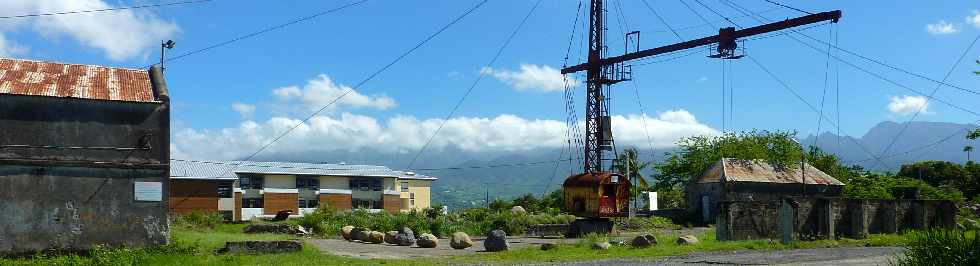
column 385, row 251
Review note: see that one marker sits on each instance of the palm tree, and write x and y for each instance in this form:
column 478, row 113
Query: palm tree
column 968, row 149
column 628, row 161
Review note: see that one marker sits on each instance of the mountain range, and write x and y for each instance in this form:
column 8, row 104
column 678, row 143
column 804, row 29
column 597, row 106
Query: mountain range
column 469, row 178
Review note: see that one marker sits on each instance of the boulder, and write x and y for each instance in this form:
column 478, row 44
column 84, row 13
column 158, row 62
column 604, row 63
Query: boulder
column 301, row 231
column 390, row 237
column 405, row 238
column 346, row 232
column 644, row 241
column 270, row 228
column 687, row 240
column 460, row 240
column 548, row 246
column 258, row 247
column 518, row 210
column 601, row 245
column 376, row 237
column 360, row 234
column 427, row 241
column 496, row 241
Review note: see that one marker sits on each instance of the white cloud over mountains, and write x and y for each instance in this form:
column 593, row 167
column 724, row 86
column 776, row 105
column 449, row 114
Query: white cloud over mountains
column 121, row 34
column 401, row 133
column 941, row 28
column 908, row 105
column 531, row 78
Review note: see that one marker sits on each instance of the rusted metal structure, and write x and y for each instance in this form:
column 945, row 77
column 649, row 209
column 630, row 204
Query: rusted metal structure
column 597, row 195
column 602, row 72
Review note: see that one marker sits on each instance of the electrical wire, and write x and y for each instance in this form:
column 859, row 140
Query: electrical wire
column 368, row 78
column 104, row 9
column 789, row 7
column 475, row 82
column 918, row 111
column 662, row 20
column 717, row 13
column 823, row 94
column 262, row 31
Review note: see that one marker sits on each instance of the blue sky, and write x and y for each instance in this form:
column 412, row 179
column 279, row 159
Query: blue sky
column 278, row 77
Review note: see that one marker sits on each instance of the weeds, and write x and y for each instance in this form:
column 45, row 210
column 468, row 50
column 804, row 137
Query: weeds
column 941, row 247
column 478, row 221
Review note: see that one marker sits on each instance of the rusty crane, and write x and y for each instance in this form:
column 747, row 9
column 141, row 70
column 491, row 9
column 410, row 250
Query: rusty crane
column 597, row 193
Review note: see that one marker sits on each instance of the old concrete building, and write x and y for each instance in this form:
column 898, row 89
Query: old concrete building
column 243, row 190
column 84, row 156
column 755, row 180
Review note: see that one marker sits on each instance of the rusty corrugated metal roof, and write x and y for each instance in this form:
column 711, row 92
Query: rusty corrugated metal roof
column 52, row 79
column 593, row 179
column 737, row 170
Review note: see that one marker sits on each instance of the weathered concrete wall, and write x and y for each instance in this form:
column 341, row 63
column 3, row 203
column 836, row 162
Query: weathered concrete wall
column 74, row 208
column 79, row 190
column 821, row 218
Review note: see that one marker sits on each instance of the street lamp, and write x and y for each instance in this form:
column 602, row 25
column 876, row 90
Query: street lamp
column 802, row 165
column 164, row 46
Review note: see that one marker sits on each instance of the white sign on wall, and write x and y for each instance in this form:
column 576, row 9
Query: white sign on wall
column 148, row 191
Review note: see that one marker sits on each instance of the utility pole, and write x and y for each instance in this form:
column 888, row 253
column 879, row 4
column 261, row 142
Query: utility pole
column 601, row 72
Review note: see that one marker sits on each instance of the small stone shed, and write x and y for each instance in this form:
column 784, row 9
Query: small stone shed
column 84, row 153
column 755, row 180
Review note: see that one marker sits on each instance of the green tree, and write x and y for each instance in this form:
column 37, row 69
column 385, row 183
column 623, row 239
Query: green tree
column 975, row 134
column 627, row 162
column 936, row 173
column 528, row 202
column 696, row 154
column 967, row 150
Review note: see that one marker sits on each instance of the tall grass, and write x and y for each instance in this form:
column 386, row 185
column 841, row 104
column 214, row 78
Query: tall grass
column 477, row 221
column 941, row 247
column 198, row 220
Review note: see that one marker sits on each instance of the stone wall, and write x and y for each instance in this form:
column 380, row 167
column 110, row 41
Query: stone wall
column 822, row 218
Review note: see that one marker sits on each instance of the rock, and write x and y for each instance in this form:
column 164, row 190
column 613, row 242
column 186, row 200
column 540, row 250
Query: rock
column 548, row 246
column 427, row 241
column 360, row 234
column 643, row 241
column 687, row 240
column 601, row 245
column 301, row 231
column 496, row 241
column 270, row 228
column 518, row 210
column 390, row 237
column 376, row 237
column 618, row 243
column 346, row 231
column 253, row 247
column 406, row 238
column 460, row 240
column 406, row 230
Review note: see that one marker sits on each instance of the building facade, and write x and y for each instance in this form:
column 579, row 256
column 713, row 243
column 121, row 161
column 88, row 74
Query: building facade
column 243, row 190
column 755, row 180
column 84, row 154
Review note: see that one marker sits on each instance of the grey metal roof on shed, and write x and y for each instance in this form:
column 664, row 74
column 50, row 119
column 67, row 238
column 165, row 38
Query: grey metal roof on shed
column 737, row 170
column 220, row 170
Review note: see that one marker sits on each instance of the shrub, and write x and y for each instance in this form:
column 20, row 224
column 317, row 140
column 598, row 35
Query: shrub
column 198, row 220
column 941, row 247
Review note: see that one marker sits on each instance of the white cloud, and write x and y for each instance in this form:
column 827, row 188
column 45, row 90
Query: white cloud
column 531, row 77
column 702, row 79
column 245, row 110
column 974, row 19
column 121, row 34
column 401, row 134
column 321, row 91
column 941, row 27
column 908, row 105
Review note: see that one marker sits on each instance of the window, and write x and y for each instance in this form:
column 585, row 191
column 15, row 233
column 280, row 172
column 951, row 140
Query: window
column 250, row 182
column 304, row 203
column 252, row 203
column 224, row 191
column 404, row 186
column 227, row 215
column 411, row 197
column 377, row 204
column 366, row 184
column 308, row 182
column 362, row 203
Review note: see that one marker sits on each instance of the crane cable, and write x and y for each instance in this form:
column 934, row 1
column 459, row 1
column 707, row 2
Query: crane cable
column 826, row 83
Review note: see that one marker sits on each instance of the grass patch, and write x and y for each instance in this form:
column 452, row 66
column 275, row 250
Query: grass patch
column 941, row 247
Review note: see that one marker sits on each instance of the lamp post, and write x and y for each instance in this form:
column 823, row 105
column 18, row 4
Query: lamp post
column 164, row 46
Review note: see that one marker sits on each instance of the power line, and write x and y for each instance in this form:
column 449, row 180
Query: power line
column 696, row 13
column 717, row 13
column 789, row 7
column 263, row 31
column 475, row 82
column 917, row 112
column 662, row 20
column 826, row 83
column 940, row 141
column 103, row 9
column 369, row 78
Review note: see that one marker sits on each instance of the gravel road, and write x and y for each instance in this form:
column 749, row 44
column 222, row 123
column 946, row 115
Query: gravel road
column 818, row 256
